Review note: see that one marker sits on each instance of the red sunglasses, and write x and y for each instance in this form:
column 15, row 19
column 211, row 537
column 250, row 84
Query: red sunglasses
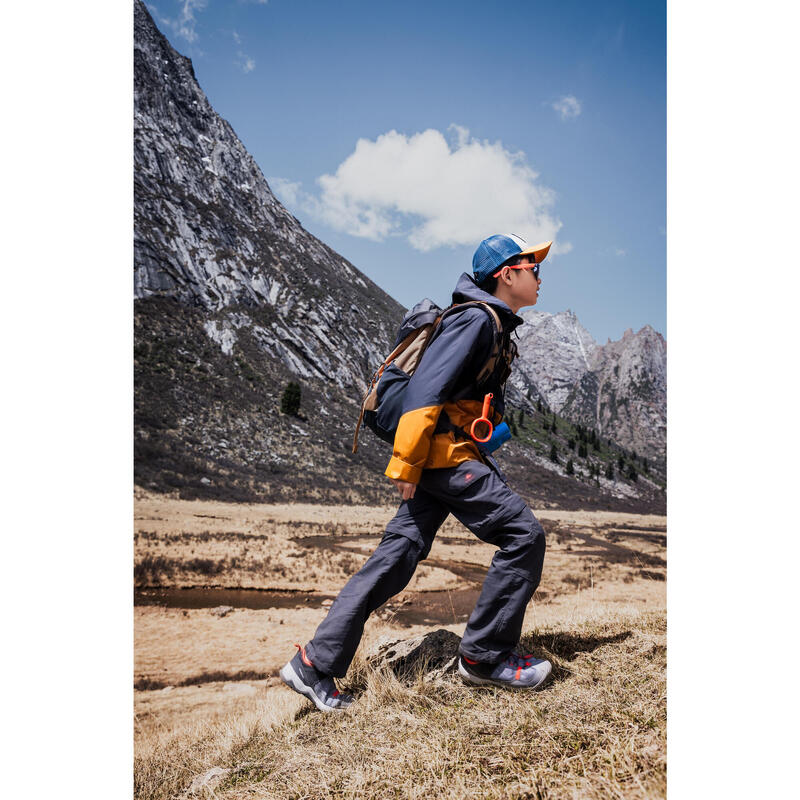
column 534, row 267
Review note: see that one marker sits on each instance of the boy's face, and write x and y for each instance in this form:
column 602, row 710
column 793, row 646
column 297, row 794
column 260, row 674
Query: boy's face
column 521, row 283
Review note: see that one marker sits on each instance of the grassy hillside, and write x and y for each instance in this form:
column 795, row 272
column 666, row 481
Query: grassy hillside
column 592, row 456
column 209, row 425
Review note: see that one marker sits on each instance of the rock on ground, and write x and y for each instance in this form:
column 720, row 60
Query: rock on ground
column 434, row 654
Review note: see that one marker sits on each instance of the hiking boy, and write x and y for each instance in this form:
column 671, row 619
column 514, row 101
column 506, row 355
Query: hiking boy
column 438, row 470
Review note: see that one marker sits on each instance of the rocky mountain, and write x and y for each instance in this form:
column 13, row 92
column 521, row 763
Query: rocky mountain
column 234, row 299
column 631, row 399
column 209, row 232
column 619, row 389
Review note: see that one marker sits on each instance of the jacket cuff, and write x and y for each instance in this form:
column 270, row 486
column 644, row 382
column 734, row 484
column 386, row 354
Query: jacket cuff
column 402, row 471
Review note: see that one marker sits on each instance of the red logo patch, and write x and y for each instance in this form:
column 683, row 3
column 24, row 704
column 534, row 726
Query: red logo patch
column 467, row 476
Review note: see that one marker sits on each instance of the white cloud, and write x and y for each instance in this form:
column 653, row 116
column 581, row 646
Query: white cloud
column 568, row 106
column 620, row 252
column 184, row 25
column 431, row 192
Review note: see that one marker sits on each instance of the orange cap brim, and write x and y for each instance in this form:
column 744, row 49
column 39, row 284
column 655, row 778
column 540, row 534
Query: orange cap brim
column 539, row 251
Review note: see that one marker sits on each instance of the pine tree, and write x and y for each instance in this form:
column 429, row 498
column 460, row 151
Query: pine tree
column 553, row 453
column 610, row 471
column 620, row 463
column 571, row 443
column 553, row 427
column 513, row 426
column 582, row 453
column 570, row 468
column 645, row 467
column 632, row 473
column 539, row 405
column 290, row 401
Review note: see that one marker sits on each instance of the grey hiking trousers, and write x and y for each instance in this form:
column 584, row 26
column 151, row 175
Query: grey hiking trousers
column 479, row 497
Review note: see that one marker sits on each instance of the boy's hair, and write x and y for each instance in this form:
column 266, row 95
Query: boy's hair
column 489, row 284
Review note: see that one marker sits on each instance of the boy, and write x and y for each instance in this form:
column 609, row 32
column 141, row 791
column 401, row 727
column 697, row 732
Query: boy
column 439, row 470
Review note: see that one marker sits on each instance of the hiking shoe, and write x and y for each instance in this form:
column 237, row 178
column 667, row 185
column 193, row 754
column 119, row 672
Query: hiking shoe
column 302, row 676
column 515, row 672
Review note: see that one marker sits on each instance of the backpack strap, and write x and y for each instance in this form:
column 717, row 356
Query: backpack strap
column 497, row 343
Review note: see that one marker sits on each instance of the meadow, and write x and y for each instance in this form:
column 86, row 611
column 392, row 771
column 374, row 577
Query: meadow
column 212, row 717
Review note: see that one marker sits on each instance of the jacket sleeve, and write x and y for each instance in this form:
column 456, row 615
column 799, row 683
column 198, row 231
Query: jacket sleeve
column 462, row 339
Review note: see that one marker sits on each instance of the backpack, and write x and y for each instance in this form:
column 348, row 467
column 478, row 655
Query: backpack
column 382, row 405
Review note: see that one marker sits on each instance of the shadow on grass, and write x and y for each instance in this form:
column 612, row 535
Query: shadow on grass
column 307, row 709
column 565, row 646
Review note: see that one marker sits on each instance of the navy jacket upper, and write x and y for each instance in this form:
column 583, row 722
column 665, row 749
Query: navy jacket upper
column 444, row 382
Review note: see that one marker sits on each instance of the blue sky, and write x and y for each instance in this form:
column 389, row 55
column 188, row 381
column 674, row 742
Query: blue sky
column 401, row 134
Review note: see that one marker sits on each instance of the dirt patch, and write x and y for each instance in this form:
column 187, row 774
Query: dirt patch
column 615, row 534
column 612, row 553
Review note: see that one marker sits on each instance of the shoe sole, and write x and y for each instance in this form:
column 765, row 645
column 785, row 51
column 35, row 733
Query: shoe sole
column 476, row 680
column 292, row 680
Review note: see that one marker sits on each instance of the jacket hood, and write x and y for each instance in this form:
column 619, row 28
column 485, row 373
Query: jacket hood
column 466, row 290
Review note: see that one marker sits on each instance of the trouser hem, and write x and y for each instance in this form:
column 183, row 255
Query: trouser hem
column 487, row 656
column 320, row 665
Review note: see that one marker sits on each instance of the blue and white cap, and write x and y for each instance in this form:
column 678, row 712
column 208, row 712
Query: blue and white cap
column 493, row 252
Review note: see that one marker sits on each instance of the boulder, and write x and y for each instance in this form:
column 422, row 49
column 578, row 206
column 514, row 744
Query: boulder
column 221, row 611
column 434, row 654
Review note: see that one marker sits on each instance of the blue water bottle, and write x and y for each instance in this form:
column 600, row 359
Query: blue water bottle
column 500, row 436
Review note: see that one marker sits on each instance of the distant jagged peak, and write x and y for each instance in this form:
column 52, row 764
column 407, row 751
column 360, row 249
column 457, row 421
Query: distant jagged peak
column 565, row 323
column 647, row 333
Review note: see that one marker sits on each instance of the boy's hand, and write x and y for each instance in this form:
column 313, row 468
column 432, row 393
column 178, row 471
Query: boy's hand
column 405, row 488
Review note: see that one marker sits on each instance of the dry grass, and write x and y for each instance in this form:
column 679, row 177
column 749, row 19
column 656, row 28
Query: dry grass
column 598, row 730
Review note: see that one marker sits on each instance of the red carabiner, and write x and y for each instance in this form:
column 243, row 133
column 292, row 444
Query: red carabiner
column 483, row 418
